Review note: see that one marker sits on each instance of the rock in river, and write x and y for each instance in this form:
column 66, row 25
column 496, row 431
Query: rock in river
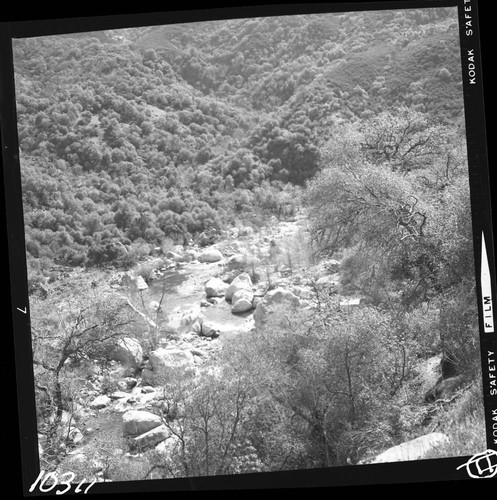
column 137, row 422
column 241, row 282
column 210, row 255
column 165, row 364
column 100, row 402
column 242, row 301
column 151, row 437
column 215, row 287
column 275, row 305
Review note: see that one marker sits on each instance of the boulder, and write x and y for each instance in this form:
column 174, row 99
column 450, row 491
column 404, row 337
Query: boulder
column 127, row 351
column 208, row 329
column 151, row 437
column 182, row 321
column 236, row 261
column 241, row 282
column 190, row 255
column 126, row 383
column 326, row 281
column 75, row 435
column 141, row 284
column 275, row 305
column 241, row 306
column 175, row 257
column 243, row 293
column 196, row 327
column 100, row 402
column 242, row 301
column 245, row 231
column 118, row 395
column 165, row 364
column 210, row 255
column 154, row 306
column 415, row 449
column 215, row 287
column 138, row 422
column 178, row 249
column 168, row 446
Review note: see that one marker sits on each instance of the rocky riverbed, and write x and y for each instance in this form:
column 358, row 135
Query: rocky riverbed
column 193, row 302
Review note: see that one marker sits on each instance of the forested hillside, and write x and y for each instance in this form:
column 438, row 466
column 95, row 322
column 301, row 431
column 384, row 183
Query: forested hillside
column 178, row 130
column 249, row 245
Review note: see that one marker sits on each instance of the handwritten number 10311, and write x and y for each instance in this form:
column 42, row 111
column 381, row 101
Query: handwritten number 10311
column 51, row 478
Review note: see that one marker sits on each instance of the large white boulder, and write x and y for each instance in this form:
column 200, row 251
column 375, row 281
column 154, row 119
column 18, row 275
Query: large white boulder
column 174, row 256
column 236, row 260
column 209, row 329
column 415, row 449
column 215, row 287
column 137, row 422
column 275, row 306
column 166, row 364
column 127, row 351
column 168, row 446
column 151, row 437
column 141, row 283
column 242, row 301
column 241, row 282
column 183, row 321
column 100, row 402
column 210, row 255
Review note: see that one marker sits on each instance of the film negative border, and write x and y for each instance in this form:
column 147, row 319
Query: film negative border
column 395, row 473
column 481, row 203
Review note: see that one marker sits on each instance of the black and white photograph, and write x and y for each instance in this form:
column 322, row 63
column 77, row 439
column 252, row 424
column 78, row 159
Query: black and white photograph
column 252, row 242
